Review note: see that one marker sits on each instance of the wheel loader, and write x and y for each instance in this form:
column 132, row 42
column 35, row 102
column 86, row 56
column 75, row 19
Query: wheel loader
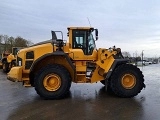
column 4, row 56
column 51, row 66
column 9, row 59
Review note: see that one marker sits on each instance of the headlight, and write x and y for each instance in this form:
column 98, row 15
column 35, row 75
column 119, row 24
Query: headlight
column 19, row 61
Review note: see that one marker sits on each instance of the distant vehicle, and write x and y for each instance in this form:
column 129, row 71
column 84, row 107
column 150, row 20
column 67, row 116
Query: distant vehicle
column 9, row 59
column 140, row 63
column 3, row 57
column 147, row 62
column 144, row 63
column 155, row 61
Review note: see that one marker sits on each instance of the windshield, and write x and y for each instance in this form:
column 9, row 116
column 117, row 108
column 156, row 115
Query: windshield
column 15, row 50
column 91, row 43
column 83, row 39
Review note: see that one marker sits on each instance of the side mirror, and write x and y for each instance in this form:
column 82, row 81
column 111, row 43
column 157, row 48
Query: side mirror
column 96, row 34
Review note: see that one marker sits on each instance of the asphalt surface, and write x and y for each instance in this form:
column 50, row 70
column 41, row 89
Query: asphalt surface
column 85, row 102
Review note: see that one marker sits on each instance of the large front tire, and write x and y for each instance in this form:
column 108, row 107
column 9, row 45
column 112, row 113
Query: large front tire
column 108, row 85
column 52, row 82
column 127, row 81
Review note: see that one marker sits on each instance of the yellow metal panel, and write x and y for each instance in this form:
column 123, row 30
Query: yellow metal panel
column 92, row 57
column 81, row 79
column 80, row 66
column 96, row 76
column 10, row 57
column 42, row 49
column 105, row 59
column 104, row 63
column 78, row 54
column 15, row 74
column 39, row 51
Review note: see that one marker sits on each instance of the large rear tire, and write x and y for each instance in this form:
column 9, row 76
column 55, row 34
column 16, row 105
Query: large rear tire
column 127, row 81
column 52, row 82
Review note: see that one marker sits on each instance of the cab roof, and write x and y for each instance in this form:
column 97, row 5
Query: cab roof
column 81, row 28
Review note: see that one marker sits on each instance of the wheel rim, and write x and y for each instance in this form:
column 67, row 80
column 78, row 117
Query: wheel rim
column 52, row 82
column 128, row 81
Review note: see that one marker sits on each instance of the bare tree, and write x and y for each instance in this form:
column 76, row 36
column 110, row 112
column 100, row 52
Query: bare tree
column 20, row 42
column 9, row 42
column 126, row 54
column 1, row 38
column 29, row 43
column 6, row 47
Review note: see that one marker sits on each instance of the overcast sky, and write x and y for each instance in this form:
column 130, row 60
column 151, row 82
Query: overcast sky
column 132, row 25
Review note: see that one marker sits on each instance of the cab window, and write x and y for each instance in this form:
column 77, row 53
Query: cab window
column 80, row 40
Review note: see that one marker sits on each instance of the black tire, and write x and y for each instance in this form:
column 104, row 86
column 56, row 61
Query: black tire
column 58, row 71
column 127, row 81
column 13, row 63
column 108, row 86
column 5, row 67
column 103, row 82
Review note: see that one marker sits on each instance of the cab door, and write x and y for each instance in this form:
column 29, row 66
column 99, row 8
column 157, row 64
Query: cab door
column 83, row 48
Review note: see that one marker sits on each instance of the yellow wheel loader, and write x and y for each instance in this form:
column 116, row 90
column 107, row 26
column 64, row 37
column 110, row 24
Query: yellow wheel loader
column 3, row 61
column 52, row 65
column 9, row 59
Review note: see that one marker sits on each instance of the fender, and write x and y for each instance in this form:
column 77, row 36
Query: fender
column 56, row 53
column 115, row 63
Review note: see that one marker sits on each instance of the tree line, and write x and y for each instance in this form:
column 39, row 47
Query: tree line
column 8, row 42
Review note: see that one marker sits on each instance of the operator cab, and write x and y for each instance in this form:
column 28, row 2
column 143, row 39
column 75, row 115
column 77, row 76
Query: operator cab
column 82, row 38
column 82, row 43
column 15, row 50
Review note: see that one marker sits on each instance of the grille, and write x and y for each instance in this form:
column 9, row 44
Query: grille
column 30, row 55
